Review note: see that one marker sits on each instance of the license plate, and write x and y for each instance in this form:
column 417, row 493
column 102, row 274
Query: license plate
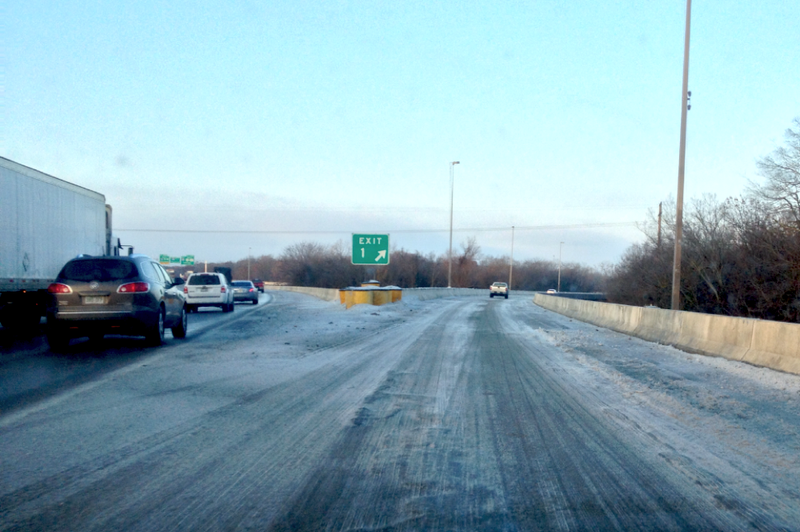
column 94, row 300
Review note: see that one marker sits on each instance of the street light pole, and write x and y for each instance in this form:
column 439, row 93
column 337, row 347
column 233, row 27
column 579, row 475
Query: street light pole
column 248, row 262
column 450, row 252
column 558, row 289
column 511, row 266
column 676, row 263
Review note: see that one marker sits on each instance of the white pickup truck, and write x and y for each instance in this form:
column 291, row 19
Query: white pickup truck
column 498, row 289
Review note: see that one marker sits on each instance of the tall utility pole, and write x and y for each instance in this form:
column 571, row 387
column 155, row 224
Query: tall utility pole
column 450, row 252
column 511, row 266
column 659, row 225
column 676, row 263
column 560, row 244
column 248, row 262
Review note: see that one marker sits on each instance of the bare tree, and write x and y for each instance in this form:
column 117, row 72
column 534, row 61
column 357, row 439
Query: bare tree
column 467, row 264
column 781, row 171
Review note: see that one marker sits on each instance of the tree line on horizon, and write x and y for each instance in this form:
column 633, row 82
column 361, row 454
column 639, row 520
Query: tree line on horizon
column 315, row 265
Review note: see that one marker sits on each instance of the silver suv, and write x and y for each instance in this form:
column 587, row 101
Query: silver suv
column 132, row 296
column 208, row 290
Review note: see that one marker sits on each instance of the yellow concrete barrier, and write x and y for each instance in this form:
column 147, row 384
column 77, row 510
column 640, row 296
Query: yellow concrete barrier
column 381, row 297
column 362, row 297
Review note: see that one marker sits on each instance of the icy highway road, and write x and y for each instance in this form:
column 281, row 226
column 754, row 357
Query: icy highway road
column 452, row 414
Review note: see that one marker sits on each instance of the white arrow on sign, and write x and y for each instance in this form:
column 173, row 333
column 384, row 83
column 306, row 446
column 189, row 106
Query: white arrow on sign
column 381, row 255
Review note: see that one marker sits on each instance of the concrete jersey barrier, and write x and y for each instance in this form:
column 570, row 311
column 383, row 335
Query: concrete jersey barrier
column 769, row 344
column 326, row 294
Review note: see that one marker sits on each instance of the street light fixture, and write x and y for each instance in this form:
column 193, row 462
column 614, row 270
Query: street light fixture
column 450, row 252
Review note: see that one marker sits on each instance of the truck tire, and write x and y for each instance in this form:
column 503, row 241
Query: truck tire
column 24, row 319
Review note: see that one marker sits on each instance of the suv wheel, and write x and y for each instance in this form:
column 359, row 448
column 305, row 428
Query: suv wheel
column 155, row 335
column 179, row 331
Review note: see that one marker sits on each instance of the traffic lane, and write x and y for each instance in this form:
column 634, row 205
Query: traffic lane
column 30, row 371
column 483, row 437
column 454, row 415
column 219, row 419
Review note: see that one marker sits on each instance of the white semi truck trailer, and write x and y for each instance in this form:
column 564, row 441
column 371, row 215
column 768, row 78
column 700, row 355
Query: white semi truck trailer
column 44, row 222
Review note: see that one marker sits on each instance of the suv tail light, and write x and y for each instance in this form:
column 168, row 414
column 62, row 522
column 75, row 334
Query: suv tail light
column 59, row 288
column 222, row 289
column 185, row 289
column 130, row 288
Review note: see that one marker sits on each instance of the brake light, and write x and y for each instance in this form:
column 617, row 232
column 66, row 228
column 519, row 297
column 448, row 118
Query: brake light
column 185, row 289
column 250, row 290
column 222, row 289
column 130, row 288
column 59, row 288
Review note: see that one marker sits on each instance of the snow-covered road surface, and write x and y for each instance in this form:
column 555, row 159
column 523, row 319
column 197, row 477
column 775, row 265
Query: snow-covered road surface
column 451, row 414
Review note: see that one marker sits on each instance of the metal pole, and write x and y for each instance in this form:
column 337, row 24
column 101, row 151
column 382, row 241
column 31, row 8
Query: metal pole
column 248, row 262
column 450, row 252
column 676, row 264
column 558, row 289
column 511, row 266
column 659, row 225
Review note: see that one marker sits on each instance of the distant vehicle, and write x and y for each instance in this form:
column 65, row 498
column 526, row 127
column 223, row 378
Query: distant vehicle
column 208, row 290
column 498, row 289
column 259, row 284
column 552, row 291
column 45, row 222
column 245, row 291
column 132, row 296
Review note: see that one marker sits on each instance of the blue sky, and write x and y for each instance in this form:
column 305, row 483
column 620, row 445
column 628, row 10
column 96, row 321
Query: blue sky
column 308, row 121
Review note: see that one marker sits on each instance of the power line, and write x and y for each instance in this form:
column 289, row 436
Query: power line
column 344, row 232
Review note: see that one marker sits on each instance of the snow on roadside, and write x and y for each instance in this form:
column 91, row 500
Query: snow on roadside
column 723, row 424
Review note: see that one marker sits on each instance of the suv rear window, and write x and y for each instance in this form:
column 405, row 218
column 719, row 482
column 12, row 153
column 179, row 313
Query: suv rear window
column 204, row 279
column 98, row 270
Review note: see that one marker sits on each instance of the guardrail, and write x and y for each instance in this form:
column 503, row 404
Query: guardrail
column 764, row 343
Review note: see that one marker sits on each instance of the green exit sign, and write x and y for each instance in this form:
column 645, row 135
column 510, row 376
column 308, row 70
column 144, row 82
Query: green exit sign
column 370, row 249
